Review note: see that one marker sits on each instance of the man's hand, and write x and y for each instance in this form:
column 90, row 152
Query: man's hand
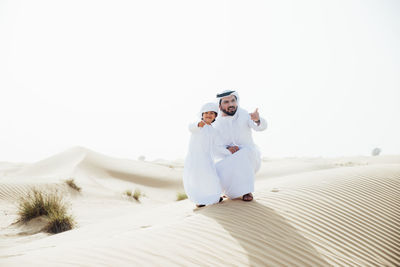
column 201, row 124
column 255, row 116
column 233, row 149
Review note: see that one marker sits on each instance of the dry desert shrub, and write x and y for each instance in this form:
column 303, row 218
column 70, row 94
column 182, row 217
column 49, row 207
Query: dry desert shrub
column 51, row 205
column 128, row 193
column 59, row 222
column 71, row 183
column 137, row 194
column 38, row 203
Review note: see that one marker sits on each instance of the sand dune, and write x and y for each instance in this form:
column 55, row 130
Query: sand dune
column 92, row 170
column 306, row 212
column 79, row 160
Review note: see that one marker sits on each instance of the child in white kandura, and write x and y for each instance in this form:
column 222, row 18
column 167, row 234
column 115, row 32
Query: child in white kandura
column 200, row 178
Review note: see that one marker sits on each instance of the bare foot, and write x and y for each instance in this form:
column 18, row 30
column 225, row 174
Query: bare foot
column 247, row 197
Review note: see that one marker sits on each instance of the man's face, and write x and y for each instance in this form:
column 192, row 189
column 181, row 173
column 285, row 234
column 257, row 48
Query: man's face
column 229, row 105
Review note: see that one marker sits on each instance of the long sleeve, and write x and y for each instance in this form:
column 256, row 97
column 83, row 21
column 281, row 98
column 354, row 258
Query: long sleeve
column 261, row 127
column 193, row 128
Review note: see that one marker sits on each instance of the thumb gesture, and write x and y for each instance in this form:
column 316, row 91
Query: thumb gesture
column 255, row 116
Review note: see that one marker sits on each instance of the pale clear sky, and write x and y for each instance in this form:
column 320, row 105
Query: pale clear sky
column 124, row 78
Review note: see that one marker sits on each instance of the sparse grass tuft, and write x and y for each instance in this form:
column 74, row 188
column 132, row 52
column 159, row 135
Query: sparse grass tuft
column 128, row 193
column 37, row 204
column 59, row 222
column 137, row 194
column 51, row 205
column 71, row 183
column 181, row 196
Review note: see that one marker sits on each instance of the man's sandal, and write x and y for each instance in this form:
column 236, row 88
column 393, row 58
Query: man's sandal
column 248, row 197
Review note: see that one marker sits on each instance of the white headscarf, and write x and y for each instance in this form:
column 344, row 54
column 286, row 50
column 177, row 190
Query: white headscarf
column 226, row 93
column 208, row 107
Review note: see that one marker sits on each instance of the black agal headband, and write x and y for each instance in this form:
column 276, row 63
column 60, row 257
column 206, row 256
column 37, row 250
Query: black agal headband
column 225, row 94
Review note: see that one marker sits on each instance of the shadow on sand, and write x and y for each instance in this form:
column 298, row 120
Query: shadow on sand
column 268, row 238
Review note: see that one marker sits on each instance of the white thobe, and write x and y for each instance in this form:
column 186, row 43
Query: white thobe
column 237, row 171
column 200, row 179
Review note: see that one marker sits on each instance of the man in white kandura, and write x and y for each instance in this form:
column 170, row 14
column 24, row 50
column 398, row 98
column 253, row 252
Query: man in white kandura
column 241, row 159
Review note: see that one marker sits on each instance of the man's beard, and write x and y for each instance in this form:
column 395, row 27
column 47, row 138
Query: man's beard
column 230, row 113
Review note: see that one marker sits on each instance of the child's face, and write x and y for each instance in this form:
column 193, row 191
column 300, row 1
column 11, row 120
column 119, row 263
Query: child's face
column 209, row 116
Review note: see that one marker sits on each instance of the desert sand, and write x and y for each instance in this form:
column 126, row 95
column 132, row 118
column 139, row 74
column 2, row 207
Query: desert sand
column 305, row 212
